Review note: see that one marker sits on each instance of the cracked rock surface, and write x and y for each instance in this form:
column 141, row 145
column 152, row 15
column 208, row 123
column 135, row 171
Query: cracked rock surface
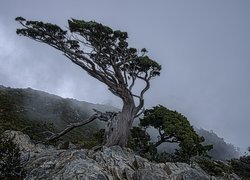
column 112, row 163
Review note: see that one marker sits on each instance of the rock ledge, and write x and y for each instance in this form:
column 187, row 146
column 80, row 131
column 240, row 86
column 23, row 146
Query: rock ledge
column 106, row 164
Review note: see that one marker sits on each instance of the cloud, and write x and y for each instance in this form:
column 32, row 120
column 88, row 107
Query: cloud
column 25, row 63
column 12, row 69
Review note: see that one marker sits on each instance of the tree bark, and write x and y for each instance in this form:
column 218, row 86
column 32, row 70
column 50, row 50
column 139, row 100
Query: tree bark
column 118, row 128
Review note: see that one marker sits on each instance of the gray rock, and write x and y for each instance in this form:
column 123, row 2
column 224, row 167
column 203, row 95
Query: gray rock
column 21, row 140
column 64, row 165
column 105, row 164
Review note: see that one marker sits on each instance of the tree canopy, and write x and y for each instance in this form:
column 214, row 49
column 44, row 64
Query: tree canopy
column 102, row 52
column 172, row 127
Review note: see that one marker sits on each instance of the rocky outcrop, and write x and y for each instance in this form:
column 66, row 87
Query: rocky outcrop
column 105, row 164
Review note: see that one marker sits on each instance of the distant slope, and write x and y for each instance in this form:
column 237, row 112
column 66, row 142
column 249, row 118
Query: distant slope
column 221, row 150
column 19, row 108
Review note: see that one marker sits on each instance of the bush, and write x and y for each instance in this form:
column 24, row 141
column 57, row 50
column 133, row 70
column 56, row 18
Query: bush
column 10, row 161
column 214, row 168
column 138, row 139
column 241, row 166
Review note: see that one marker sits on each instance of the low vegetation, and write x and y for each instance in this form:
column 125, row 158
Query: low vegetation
column 10, row 161
column 241, row 166
column 214, row 167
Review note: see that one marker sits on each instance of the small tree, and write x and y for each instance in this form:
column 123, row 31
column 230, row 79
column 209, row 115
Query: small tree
column 105, row 55
column 173, row 127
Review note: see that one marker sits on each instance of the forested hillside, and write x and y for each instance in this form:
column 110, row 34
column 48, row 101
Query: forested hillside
column 36, row 112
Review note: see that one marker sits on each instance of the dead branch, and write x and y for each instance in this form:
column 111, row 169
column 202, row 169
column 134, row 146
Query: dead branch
column 98, row 115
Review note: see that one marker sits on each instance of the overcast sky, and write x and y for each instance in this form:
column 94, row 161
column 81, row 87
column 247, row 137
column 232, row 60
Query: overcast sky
column 203, row 47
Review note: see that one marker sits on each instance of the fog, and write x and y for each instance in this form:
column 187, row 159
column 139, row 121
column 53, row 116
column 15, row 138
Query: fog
column 203, row 47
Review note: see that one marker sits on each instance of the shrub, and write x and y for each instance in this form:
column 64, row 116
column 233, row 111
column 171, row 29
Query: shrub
column 213, row 167
column 10, row 161
column 242, row 167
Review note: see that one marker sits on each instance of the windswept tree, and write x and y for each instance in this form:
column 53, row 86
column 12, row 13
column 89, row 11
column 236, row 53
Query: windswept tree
column 104, row 54
column 172, row 127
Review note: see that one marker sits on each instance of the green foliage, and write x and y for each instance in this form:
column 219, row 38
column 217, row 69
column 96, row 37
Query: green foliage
column 213, row 167
column 109, row 46
column 143, row 64
column 241, row 167
column 172, row 122
column 99, row 136
column 139, row 139
column 174, row 127
column 38, row 27
column 10, row 161
column 190, row 148
column 95, row 139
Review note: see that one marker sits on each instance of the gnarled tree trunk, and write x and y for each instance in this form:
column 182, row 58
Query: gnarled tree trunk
column 118, row 128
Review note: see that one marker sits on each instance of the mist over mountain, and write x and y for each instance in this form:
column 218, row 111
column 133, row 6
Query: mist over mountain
column 20, row 107
column 25, row 109
column 221, row 150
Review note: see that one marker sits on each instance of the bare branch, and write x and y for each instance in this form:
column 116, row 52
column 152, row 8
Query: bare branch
column 133, row 83
column 72, row 126
column 141, row 103
column 105, row 116
column 172, row 141
column 140, row 113
column 161, row 135
column 139, row 97
column 98, row 115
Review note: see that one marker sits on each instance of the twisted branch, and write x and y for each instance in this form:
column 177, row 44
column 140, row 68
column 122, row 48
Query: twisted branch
column 98, row 115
